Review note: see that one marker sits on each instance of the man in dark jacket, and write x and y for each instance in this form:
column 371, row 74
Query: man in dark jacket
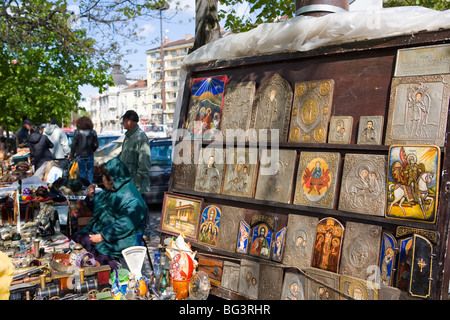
column 119, row 215
column 24, row 132
column 40, row 146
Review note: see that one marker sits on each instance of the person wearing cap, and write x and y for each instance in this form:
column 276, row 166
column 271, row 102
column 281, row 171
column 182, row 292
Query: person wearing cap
column 135, row 152
column 61, row 147
column 24, row 132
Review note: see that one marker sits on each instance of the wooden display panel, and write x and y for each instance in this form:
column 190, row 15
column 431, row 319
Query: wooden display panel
column 363, row 73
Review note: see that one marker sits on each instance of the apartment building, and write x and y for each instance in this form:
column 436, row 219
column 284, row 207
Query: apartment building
column 174, row 53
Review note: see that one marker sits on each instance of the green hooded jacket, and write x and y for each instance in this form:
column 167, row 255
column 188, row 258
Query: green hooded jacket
column 136, row 156
column 118, row 214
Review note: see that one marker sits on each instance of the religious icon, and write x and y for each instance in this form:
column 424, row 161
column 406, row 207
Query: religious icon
column 272, row 107
column 363, row 184
column 387, row 260
column 311, row 111
column 293, row 287
column 210, row 170
column 261, row 240
column 328, row 243
column 243, row 237
column 340, row 129
column 413, row 183
column 322, row 284
column 418, row 110
column 205, row 107
column 360, row 250
column 357, row 289
column 421, row 268
column 241, row 172
column 404, row 263
column 209, row 226
column 278, row 245
column 316, row 179
column 370, row 130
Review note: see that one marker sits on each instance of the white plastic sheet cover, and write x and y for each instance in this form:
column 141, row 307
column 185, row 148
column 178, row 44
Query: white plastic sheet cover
column 305, row 33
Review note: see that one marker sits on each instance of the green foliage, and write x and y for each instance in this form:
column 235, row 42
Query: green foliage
column 263, row 11
column 432, row 4
column 43, row 63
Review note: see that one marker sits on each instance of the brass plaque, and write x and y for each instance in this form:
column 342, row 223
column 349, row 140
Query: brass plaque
column 363, row 185
column 357, row 289
column 229, row 227
column 328, row 244
column 322, row 285
column 388, row 255
column 294, row 286
column 413, row 183
column 418, row 110
column 209, row 170
column 425, row 60
column 249, row 279
column 311, row 111
column 272, row 109
column 241, row 170
column 301, row 234
column 402, row 231
column 370, row 130
column 340, row 129
column 237, row 109
column 185, row 158
column 317, row 179
column 276, row 175
column 230, row 276
column 361, row 249
column 272, row 282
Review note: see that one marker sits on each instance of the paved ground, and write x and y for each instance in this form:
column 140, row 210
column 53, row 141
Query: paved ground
column 151, row 231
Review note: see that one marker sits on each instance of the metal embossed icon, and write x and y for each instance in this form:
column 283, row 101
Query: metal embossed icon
column 209, row 170
column 294, row 286
column 370, row 130
column 413, row 181
column 272, row 108
column 237, row 108
column 360, row 250
column 311, row 111
column 249, row 279
column 322, row 284
column 363, row 185
column 340, row 129
column 418, row 110
column 301, row 234
column 275, row 178
column 229, row 226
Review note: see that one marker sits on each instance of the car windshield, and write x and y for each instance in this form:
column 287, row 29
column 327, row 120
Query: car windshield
column 107, row 149
column 153, row 129
column 161, row 154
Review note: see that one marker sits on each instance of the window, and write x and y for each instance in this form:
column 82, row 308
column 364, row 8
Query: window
column 173, row 73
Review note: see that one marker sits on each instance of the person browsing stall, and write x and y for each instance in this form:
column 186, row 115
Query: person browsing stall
column 24, row 132
column 136, row 152
column 85, row 142
column 119, row 215
column 40, row 146
column 61, row 147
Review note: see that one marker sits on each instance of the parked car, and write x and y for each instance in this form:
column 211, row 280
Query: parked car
column 161, row 165
column 103, row 139
column 155, row 130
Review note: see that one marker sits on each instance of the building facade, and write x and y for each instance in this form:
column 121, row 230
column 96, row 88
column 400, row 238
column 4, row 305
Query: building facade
column 174, row 53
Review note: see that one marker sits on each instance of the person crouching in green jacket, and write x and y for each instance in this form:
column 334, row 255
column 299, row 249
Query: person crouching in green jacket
column 119, row 215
